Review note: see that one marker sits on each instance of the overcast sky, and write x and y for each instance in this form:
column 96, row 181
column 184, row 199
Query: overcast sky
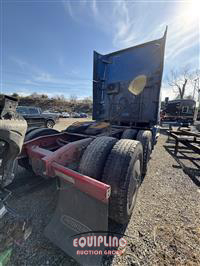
column 47, row 46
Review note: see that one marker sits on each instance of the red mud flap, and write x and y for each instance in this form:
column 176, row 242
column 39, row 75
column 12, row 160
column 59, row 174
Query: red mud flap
column 82, row 207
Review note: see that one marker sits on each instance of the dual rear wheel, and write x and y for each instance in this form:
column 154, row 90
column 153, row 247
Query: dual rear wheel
column 118, row 164
column 122, row 165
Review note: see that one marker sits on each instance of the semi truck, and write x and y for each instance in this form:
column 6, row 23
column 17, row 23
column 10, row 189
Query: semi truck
column 100, row 164
column 180, row 111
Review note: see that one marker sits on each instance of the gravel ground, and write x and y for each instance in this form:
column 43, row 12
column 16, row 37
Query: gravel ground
column 164, row 227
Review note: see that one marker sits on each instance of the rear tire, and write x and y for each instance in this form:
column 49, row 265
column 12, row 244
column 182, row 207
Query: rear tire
column 145, row 137
column 30, row 129
column 123, row 173
column 129, row 134
column 39, row 132
column 35, row 133
column 94, row 157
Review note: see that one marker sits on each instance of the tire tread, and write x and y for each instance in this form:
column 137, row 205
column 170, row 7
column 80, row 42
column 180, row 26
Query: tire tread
column 94, row 157
column 144, row 136
column 115, row 174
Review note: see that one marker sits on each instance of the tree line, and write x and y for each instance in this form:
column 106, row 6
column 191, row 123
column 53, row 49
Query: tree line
column 57, row 103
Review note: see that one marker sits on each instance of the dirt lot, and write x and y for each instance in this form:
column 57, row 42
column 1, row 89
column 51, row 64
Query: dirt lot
column 164, row 227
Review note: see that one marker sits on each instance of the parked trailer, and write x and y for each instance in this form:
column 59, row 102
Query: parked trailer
column 100, row 164
column 188, row 138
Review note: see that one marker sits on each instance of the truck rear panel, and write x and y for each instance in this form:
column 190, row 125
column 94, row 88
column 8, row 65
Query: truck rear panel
column 126, row 84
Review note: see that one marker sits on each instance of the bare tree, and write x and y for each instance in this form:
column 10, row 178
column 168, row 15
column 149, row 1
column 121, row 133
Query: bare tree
column 73, row 98
column 183, row 80
column 195, row 81
column 178, row 81
column 87, row 100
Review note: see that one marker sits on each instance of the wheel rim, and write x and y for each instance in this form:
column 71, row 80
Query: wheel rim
column 49, row 124
column 134, row 182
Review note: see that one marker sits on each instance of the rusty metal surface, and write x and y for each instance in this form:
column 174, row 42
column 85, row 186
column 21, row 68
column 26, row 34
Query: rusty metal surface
column 68, row 154
column 58, row 163
column 86, row 184
column 40, row 150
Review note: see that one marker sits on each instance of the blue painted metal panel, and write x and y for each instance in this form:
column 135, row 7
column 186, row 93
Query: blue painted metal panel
column 113, row 74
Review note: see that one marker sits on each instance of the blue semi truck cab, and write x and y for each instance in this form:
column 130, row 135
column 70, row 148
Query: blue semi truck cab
column 127, row 83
